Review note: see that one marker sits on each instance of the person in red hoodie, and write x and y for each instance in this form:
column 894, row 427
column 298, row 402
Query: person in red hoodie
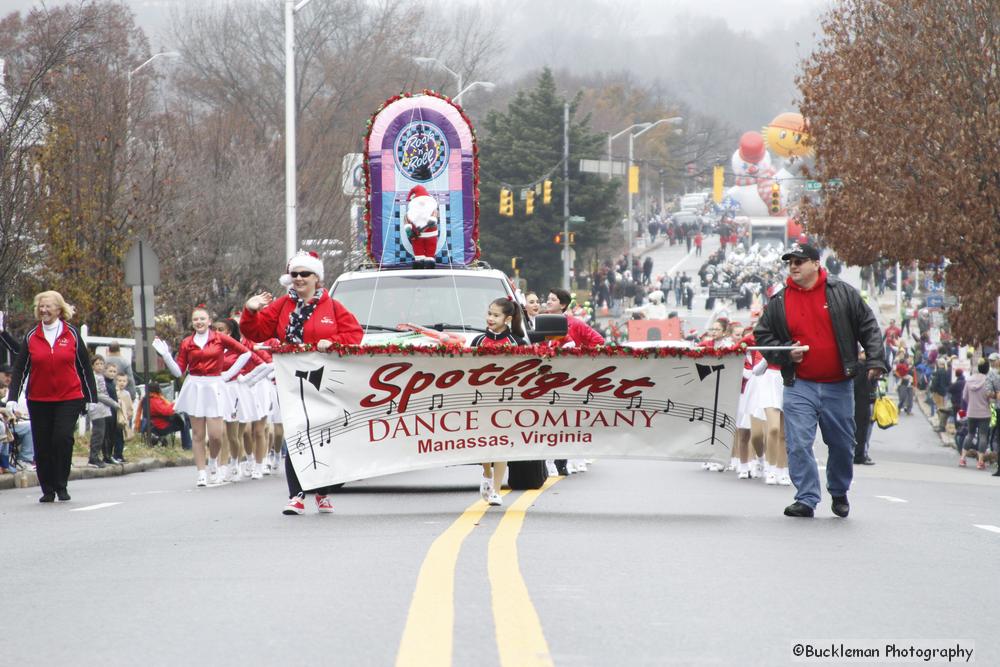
column 823, row 322
column 306, row 314
column 54, row 365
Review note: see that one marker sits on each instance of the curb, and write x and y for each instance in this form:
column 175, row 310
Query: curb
column 25, row 478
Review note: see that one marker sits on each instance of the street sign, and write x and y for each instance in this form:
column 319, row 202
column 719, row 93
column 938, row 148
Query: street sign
column 606, row 167
column 834, row 183
column 576, row 220
column 813, row 186
column 352, row 174
column 935, row 301
column 142, row 267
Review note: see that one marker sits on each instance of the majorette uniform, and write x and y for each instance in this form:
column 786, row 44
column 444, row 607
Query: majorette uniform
column 746, row 388
column 769, row 388
column 202, row 357
column 244, row 402
column 491, row 339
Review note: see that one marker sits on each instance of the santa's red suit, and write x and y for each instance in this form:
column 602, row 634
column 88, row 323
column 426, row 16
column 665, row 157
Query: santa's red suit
column 421, row 226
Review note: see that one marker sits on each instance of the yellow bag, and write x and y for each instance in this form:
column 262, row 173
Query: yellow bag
column 885, row 413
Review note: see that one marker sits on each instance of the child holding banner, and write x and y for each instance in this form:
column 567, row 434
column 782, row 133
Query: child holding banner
column 502, row 316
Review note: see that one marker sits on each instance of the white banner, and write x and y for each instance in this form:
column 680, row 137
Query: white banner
column 352, row 417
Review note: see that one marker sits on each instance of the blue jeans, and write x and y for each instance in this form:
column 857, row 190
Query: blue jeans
column 26, row 443
column 831, row 406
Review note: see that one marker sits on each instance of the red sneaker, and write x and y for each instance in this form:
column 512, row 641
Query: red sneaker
column 961, row 461
column 323, row 504
column 294, row 506
column 980, row 465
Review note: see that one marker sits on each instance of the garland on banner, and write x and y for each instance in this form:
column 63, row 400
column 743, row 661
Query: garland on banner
column 367, row 177
column 517, row 351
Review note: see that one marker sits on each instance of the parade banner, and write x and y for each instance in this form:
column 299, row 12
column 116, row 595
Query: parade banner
column 352, row 415
column 421, row 140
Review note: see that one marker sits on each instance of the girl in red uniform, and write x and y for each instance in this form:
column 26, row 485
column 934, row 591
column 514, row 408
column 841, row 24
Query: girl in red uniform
column 306, row 314
column 502, row 316
column 202, row 356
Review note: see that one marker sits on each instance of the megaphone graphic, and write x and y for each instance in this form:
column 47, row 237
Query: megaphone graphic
column 312, row 377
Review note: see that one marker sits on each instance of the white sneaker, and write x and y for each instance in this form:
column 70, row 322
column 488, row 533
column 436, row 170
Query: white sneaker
column 784, row 479
column 486, row 488
column 755, row 469
column 581, row 465
column 494, row 499
column 258, row 471
column 213, row 477
column 571, row 467
column 770, row 478
column 202, row 478
column 715, row 467
column 550, row 467
column 231, row 474
column 743, row 474
column 246, row 468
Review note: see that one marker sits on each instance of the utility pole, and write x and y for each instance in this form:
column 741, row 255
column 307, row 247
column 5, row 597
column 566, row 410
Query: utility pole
column 566, row 196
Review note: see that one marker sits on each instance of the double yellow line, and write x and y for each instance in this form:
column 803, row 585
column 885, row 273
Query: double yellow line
column 428, row 639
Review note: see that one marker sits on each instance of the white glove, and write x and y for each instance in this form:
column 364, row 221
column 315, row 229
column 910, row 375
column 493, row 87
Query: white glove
column 160, row 347
column 13, row 407
column 91, row 406
column 760, row 367
column 243, row 379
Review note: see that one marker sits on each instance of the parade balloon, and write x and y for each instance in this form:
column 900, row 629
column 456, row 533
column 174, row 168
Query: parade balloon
column 787, row 136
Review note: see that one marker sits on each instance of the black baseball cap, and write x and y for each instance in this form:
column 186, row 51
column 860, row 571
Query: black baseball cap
column 802, row 251
column 6, row 368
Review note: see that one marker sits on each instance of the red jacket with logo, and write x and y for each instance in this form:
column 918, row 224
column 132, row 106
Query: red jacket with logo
column 208, row 360
column 58, row 372
column 329, row 320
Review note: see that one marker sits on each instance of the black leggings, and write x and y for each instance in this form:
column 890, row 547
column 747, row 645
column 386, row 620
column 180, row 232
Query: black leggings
column 294, row 488
column 52, row 426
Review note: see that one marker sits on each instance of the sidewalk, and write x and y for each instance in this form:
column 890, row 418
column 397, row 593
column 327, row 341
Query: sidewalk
column 80, row 470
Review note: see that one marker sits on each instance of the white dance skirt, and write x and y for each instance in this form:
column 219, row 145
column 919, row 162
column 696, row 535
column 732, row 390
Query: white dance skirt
column 202, row 396
column 768, row 393
column 742, row 414
column 230, row 394
column 275, row 407
column 247, row 406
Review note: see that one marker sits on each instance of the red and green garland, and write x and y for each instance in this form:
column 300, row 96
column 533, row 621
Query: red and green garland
column 606, row 351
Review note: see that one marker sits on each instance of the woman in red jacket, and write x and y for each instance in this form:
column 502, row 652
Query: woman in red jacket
column 306, row 314
column 54, row 364
column 202, row 356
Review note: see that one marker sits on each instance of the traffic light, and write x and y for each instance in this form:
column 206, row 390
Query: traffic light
column 513, row 263
column 547, row 192
column 572, row 238
column 558, row 238
column 775, row 198
column 717, row 177
column 529, row 202
column 506, row 202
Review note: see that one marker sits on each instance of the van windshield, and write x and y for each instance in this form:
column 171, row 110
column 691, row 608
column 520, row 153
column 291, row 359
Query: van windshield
column 420, row 299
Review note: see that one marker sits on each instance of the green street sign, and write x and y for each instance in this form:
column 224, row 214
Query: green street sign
column 835, row 183
column 576, row 219
column 813, row 186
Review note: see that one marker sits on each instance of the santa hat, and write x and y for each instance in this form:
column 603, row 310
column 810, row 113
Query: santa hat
column 310, row 261
column 420, row 206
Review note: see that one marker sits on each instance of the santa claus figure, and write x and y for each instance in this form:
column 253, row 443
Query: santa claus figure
column 421, row 226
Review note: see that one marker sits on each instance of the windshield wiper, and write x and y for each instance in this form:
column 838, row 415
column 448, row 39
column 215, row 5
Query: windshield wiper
column 379, row 327
column 442, row 326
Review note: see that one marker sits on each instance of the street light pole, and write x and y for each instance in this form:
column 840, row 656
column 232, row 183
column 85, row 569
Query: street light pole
column 128, row 92
column 291, row 224
column 488, row 85
column 566, row 247
column 424, row 60
column 674, row 120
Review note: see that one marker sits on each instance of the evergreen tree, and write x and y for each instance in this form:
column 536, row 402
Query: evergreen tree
column 522, row 147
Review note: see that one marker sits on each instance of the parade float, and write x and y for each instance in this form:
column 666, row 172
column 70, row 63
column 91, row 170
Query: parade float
column 421, row 398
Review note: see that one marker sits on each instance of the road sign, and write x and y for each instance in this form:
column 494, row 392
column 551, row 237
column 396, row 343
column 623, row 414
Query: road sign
column 142, row 267
column 813, row 186
column 834, row 183
column 606, row 167
column 576, row 220
column 352, row 174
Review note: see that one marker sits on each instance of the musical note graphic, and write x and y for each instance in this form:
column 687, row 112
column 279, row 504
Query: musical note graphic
column 555, row 397
column 439, row 398
column 670, row 406
column 475, row 401
column 347, row 417
column 505, row 396
column 725, row 420
column 392, row 406
column 325, row 436
column 700, row 411
column 632, row 401
column 590, row 395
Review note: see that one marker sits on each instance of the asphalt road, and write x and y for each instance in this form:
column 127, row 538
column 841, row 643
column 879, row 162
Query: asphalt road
column 632, row 563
